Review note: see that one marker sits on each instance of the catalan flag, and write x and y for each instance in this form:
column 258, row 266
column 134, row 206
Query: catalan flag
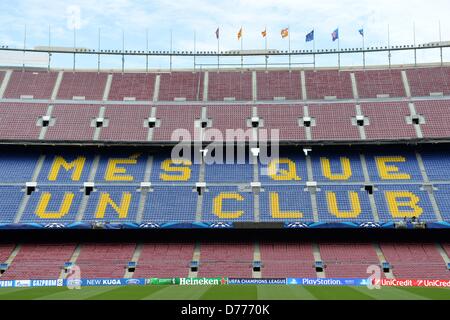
column 239, row 35
column 284, row 32
column 264, row 33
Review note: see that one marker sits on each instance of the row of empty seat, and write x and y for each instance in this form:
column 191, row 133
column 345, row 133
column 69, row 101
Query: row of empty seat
column 228, row 85
column 285, row 259
column 163, row 123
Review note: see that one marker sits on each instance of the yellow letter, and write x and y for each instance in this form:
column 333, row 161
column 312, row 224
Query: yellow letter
column 282, row 174
column 59, row 162
column 394, row 204
column 227, row 214
column 346, row 169
column 184, row 173
column 277, row 213
column 355, row 205
column 41, row 209
column 388, row 172
column 114, row 173
column 105, row 200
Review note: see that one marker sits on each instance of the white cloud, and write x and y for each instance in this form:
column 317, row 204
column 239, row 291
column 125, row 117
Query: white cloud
column 203, row 16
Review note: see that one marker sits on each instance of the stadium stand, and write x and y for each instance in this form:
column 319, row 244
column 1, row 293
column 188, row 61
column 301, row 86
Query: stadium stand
column 286, row 119
column 346, row 260
column 162, row 259
column 436, row 114
column 415, row 261
column 73, row 122
column 19, row 122
column 104, row 260
column 387, row 115
column 287, row 260
column 82, row 85
column 144, row 188
column 172, row 120
column 30, row 84
column 329, row 83
column 333, row 122
column 426, row 81
column 181, row 86
column 39, row 261
column 226, row 259
column 379, row 83
column 132, row 86
column 229, row 86
column 5, row 251
column 278, row 85
column 125, row 123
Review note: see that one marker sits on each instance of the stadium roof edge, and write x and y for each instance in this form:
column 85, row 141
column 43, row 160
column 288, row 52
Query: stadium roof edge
column 223, row 69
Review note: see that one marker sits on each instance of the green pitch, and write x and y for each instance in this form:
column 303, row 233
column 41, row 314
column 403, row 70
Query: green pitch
column 250, row 292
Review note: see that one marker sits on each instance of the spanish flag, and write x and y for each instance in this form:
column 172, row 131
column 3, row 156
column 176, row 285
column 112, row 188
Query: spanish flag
column 264, row 33
column 239, row 35
column 284, row 32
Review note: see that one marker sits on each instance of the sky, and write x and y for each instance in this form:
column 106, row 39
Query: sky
column 136, row 18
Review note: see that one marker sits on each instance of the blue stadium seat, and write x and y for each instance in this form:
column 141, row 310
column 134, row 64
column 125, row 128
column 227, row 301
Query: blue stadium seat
column 15, row 167
column 336, row 166
column 241, row 205
column 409, row 166
column 386, row 214
column 132, row 172
column 10, row 198
column 442, row 196
column 290, row 198
column 437, row 165
column 119, row 195
column 299, row 175
column 170, row 204
column 188, row 173
column 229, row 173
column 345, row 211
column 65, row 176
column 54, row 211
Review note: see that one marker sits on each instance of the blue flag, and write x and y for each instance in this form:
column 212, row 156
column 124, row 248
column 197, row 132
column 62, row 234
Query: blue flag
column 361, row 32
column 310, row 36
column 335, row 34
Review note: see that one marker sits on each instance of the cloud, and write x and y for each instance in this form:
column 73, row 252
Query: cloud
column 204, row 16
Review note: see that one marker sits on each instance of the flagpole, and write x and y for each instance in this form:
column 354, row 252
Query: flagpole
column 339, row 54
column 218, row 49
column 146, row 50
column 242, row 48
column 265, row 44
column 314, row 49
column 414, row 39
column 195, row 48
column 74, row 45
column 363, row 47
column 289, row 45
column 123, row 51
column 98, row 56
column 440, row 42
column 171, row 43
column 49, row 46
column 24, row 45
column 389, row 46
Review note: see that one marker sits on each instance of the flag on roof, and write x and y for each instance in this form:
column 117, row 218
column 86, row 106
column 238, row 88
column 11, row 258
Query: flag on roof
column 310, row 36
column 217, row 33
column 284, row 32
column 264, row 33
column 361, row 31
column 335, row 35
column 239, row 35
